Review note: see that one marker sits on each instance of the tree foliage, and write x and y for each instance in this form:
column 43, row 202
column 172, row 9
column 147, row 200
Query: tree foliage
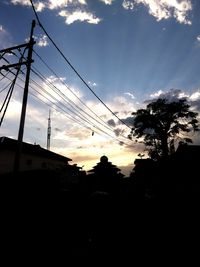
column 162, row 123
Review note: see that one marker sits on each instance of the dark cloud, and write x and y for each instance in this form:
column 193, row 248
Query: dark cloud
column 196, row 105
column 118, row 131
column 172, row 95
column 57, row 130
column 129, row 121
column 111, row 122
column 175, row 95
column 121, row 143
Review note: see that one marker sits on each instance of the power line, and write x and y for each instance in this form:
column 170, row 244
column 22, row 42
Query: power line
column 41, row 76
column 79, row 114
column 77, row 73
column 69, row 101
column 9, row 84
column 51, row 96
column 71, row 90
column 9, row 93
column 73, row 112
column 71, row 117
column 64, row 113
column 53, row 104
column 61, row 110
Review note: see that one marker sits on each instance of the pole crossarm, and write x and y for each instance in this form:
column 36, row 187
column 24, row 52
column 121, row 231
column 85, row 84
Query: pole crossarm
column 9, row 50
column 6, row 67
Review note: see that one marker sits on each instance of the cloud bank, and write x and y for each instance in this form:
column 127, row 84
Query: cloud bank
column 77, row 10
column 164, row 9
column 71, row 10
column 79, row 15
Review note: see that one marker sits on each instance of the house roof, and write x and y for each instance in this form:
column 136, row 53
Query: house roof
column 7, row 143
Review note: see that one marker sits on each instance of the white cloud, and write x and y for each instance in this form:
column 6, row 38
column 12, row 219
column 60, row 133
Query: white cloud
column 39, row 6
column 59, row 91
column 42, row 41
column 156, row 94
column 14, row 109
column 83, row 2
column 198, row 38
column 171, row 95
column 73, row 9
column 107, row 2
column 176, row 94
column 5, row 37
column 127, row 4
column 195, row 96
column 21, row 2
column 129, row 94
column 51, row 4
column 164, row 9
column 92, row 84
column 79, row 15
column 55, row 4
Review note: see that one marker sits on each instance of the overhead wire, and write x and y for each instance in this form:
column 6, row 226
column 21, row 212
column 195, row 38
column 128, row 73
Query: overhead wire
column 9, row 84
column 53, row 103
column 85, row 119
column 9, row 93
column 61, row 110
column 71, row 117
column 93, row 126
column 68, row 100
column 41, row 76
column 73, row 112
column 106, row 125
column 98, row 130
column 73, row 68
column 79, row 114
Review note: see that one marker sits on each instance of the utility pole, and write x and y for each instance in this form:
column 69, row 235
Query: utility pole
column 49, row 131
column 24, row 103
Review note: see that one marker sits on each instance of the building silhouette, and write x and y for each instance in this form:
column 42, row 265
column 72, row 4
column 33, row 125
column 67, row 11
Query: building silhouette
column 105, row 176
column 33, row 157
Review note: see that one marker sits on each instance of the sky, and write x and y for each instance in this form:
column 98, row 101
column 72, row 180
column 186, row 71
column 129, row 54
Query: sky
column 127, row 52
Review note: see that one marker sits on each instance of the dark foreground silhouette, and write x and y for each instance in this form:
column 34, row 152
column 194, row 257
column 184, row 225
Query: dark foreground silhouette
column 155, row 210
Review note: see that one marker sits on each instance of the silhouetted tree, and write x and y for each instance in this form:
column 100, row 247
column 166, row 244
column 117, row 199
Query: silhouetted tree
column 162, row 123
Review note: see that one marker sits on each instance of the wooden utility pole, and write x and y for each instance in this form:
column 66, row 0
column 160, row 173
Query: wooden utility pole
column 24, row 103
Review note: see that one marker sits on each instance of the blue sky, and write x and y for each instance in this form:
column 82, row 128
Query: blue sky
column 127, row 52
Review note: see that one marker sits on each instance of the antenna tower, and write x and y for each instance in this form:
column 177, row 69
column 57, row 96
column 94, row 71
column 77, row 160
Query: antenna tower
column 49, row 131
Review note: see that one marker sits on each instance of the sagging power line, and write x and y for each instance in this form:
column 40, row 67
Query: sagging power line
column 73, row 68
